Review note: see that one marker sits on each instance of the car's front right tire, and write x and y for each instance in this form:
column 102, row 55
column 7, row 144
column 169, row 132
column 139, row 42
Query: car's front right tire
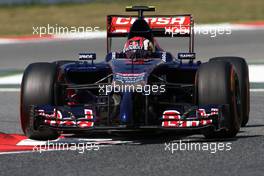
column 37, row 88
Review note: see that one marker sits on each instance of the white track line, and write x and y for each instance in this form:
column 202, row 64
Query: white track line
column 13, row 79
column 256, row 90
column 256, row 73
column 17, row 152
column 9, row 89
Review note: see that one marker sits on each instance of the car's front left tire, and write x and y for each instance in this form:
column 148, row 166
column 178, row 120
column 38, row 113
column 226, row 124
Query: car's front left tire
column 217, row 83
column 241, row 69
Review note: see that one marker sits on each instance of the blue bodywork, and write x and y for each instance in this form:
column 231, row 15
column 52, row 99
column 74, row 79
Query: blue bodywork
column 90, row 87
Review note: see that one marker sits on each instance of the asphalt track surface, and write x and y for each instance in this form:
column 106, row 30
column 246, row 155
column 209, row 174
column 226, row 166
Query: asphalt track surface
column 144, row 154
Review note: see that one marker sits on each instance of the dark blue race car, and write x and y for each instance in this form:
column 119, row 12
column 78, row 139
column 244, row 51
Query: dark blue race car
column 139, row 87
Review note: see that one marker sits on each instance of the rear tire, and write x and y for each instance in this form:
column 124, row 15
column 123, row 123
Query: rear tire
column 37, row 88
column 217, row 83
column 241, row 69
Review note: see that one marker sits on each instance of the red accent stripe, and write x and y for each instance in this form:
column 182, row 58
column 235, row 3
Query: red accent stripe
column 29, row 37
column 8, row 143
column 256, row 23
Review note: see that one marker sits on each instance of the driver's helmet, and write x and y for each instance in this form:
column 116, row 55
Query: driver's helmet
column 138, row 47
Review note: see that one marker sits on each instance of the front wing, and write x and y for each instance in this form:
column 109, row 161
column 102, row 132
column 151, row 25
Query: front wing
column 81, row 117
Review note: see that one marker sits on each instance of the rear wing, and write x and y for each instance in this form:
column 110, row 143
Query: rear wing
column 161, row 26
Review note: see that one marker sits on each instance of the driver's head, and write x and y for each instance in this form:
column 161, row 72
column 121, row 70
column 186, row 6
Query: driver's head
column 138, row 45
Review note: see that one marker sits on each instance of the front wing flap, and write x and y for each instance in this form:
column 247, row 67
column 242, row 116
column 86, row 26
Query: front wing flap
column 83, row 117
column 65, row 116
column 195, row 117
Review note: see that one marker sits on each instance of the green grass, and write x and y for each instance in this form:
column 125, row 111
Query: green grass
column 19, row 20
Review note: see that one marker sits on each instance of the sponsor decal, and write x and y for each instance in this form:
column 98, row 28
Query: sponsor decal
column 186, row 55
column 129, row 77
column 202, row 113
column 56, row 114
column 173, row 118
column 153, row 21
column 191, row 123
column 87, row 56
column 171, row 114
column 179, row 24
column 57, row 118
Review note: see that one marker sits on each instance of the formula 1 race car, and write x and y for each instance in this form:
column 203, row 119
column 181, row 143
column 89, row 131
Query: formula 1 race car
column 139, row 87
